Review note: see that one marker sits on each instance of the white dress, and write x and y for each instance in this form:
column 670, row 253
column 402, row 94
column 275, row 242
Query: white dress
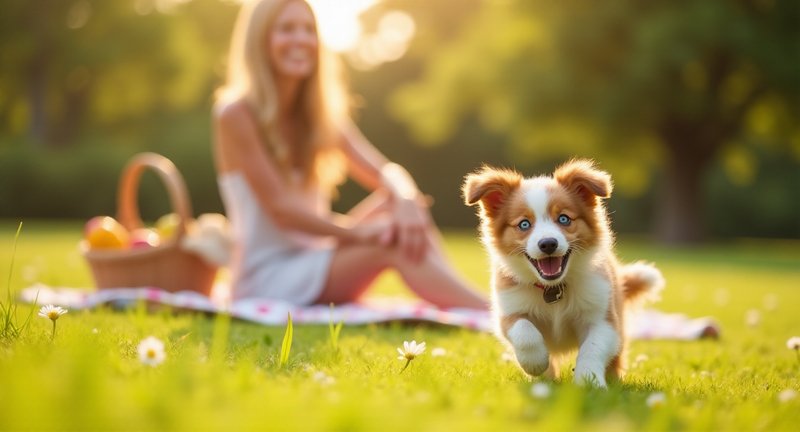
column 270, row 262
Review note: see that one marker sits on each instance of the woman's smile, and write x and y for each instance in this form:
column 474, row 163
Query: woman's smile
column 293, row 43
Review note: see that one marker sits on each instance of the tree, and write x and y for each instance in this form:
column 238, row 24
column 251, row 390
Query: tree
column 79, row 64
column 640, row 85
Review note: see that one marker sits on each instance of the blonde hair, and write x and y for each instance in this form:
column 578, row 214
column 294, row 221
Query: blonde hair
column 323, row 104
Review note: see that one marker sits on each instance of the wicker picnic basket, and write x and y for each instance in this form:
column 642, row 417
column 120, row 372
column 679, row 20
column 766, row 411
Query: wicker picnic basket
column 166, row 266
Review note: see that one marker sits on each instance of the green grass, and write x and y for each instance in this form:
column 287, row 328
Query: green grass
column 228, row 375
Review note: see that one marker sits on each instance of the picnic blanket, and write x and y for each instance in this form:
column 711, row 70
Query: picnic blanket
column 642, row 324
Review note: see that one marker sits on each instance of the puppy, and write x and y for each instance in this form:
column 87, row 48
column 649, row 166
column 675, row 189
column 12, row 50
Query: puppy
column 557, row 285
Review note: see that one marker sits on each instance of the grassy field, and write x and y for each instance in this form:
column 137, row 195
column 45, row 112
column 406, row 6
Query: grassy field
column 226, row 375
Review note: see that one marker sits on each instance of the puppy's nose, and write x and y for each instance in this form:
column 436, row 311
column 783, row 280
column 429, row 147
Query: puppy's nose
column 548, row 245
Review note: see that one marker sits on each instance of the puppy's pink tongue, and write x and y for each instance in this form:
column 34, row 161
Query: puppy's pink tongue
column 550, row 266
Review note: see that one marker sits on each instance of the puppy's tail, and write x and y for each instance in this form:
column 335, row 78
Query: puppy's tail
column 641, row 283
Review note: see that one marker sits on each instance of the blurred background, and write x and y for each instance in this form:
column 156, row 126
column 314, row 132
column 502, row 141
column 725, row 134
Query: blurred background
column 693, row 106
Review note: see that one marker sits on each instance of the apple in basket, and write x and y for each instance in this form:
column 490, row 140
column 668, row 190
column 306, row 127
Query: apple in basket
column 167, row 225
column 104, row 232
column 144, row 238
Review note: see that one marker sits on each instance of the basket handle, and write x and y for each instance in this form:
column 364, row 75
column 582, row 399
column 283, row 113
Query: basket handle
column 127, row 204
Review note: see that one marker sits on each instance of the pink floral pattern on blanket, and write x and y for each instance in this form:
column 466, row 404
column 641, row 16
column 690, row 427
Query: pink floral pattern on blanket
column 644, row 324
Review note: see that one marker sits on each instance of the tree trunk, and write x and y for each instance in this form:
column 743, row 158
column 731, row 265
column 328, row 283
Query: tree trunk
column 692, row 144
column 680, row 206
column 679, row 209
column 37, row 99
column 42, row 24
column 64, row 130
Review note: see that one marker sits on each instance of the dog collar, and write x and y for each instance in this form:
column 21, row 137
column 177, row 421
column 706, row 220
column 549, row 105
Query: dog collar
column 551, row 294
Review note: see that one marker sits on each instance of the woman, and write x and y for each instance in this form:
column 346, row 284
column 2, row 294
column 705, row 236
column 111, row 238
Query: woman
column 283, row 142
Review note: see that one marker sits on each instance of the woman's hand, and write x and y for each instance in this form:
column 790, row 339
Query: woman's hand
column 411, row 224
column 374, row 232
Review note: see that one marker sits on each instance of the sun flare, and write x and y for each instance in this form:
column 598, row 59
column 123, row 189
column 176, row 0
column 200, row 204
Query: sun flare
column 341, row 30
column 339, row 24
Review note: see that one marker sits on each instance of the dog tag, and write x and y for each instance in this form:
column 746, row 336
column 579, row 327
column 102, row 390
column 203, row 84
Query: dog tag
column 553, row 294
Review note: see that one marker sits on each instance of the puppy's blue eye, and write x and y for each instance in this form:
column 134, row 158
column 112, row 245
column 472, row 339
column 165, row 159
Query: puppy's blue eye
column 564, row 220
column 524, row 225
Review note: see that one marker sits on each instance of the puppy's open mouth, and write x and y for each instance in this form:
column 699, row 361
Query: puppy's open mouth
column 551, row 267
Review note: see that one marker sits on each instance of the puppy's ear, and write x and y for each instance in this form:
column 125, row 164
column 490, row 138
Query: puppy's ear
column 490, row 187
column 583, row 178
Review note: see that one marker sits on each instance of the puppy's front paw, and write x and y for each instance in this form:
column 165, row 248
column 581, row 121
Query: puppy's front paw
column 599, row 347
column 533, row 360
column 589, row 377
column 529, row 347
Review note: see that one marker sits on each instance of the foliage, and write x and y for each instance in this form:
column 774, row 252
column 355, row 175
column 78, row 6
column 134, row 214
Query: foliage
column 84, row 65
column 86, row 84
column 82, row 182
column 765, row 204
column 638, row 85
column 91, row 377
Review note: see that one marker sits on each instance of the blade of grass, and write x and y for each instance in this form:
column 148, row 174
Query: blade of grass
column 10, row 329
column 219, row 337
column 6, row 312
column 286, row 346
column 334, row 330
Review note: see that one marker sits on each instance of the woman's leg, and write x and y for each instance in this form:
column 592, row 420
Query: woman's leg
column 355, row 267
column 376, row 203
column 436, row 281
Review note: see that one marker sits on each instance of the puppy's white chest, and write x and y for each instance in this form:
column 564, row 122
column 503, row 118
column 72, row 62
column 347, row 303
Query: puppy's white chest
column 587, row 295
column 561, row 322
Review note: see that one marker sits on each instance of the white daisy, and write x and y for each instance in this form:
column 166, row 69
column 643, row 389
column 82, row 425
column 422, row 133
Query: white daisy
column 771, row 302
column 752, row 317
column 540, row 390
column 323, row 378
column 656, row 400
column 438, row 352
column 787, row 395
column 52, row 312
column 151, row 351
column 640, row 359
column 411, row 350
column 793, row 343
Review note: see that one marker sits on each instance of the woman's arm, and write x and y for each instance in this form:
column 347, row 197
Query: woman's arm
column 238, row 147
column 373, row 170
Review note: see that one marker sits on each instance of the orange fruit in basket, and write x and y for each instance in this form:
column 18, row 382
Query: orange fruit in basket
column 104, row 232
column 144, row 238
